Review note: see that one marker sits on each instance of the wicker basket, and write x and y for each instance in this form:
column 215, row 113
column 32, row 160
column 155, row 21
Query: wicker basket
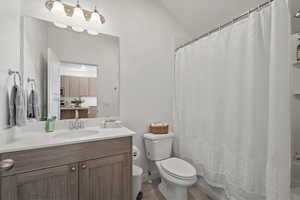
column 159, row 129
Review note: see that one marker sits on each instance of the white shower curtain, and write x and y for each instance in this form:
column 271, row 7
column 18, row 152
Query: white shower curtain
column 231, row 115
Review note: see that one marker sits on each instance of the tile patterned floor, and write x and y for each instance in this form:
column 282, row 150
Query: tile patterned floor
column 151, row 192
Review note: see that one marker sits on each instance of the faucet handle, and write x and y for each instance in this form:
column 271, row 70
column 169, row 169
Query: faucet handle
column 71, row 125
column 82, row 124
column 76, row 114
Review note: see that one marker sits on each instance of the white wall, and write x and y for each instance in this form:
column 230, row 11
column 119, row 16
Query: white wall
column 9, row 50
column 148, row 35
column 295, row 111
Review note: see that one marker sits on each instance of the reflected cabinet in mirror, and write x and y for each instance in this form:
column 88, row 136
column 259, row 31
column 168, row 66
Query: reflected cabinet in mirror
column 69, row 74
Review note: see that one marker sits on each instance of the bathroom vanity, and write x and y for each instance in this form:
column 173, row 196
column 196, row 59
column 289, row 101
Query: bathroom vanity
column 93, row 166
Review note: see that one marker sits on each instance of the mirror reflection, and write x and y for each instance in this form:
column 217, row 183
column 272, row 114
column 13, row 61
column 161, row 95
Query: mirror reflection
column 69, row 74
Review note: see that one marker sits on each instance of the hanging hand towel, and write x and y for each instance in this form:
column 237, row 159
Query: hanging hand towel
column 17, row 115
column 33, row 111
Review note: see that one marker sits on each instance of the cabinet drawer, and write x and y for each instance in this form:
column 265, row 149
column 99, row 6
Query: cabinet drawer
column 30, row 160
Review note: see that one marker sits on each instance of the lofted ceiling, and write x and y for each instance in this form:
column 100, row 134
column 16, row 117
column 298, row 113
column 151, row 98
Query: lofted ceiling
column 200, row 16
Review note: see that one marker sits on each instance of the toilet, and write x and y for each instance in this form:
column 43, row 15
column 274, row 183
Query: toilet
column 176, row 174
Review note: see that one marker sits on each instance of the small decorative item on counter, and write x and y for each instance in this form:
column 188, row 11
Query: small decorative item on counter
column 298, row 51
column 50, row 124
column 111, row 123
column 77, row 102
column 159, row 128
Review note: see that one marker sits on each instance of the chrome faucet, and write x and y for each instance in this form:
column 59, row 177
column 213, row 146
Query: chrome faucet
column 77, row 123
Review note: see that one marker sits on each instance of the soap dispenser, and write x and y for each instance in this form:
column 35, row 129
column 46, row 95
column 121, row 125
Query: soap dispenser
column 50, row 124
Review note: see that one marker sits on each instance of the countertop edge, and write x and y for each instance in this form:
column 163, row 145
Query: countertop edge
column 129, row 133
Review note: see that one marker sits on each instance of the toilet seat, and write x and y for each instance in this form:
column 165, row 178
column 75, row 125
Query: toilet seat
column 178, row 168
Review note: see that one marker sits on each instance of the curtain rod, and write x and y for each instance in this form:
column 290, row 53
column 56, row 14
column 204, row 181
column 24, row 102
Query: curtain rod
column 234, row 20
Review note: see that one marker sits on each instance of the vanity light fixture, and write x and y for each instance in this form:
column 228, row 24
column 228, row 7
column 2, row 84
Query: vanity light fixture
column 76, row 13
column 58, row 8
column 95, row 17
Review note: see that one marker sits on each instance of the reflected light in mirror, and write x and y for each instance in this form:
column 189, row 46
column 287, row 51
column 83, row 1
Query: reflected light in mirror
column 77, row 28
column 91, row 32
column 60, row 25
column 58, row 9
column 297, row 15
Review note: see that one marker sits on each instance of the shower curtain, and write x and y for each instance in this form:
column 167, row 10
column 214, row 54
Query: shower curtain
column 231, row 116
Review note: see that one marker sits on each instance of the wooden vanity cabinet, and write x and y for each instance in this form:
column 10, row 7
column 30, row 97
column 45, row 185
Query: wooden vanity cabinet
column 57, row 183
column 88, row 171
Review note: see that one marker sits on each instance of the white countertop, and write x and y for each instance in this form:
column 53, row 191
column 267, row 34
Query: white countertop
column 36, row 140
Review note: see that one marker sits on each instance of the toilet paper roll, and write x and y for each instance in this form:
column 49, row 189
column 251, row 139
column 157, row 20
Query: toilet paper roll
column 135, row 153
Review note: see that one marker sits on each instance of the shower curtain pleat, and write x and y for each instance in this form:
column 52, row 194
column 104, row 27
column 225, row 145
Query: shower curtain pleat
column 230, row 89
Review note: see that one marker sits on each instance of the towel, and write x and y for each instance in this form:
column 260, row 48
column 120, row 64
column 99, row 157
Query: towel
column 33, row 111
column 17, row 114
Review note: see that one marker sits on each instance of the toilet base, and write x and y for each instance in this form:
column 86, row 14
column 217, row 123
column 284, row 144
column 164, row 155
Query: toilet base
column 172, row 192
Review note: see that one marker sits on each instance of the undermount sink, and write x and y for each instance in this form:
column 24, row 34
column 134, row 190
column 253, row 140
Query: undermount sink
column 75, row 134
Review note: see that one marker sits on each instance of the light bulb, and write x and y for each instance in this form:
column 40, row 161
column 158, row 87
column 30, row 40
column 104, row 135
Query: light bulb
column 58, row 9
column 297, row 14
column 91, row 32
column 77, row 28
column 60, row 25
column 95, row 17
column 78, row 15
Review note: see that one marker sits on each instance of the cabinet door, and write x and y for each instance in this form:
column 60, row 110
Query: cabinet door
column 59, row 183
column 74, row 86
column 92, row 112
column 92, row 87
column 106, row 178
column 65, row 85
column 84, row 87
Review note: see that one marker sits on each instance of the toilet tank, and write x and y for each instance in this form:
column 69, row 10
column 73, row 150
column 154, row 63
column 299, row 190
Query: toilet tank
column 158, row 146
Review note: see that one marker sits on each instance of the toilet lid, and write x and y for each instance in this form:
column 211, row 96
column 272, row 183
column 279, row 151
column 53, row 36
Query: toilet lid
column 178, row 168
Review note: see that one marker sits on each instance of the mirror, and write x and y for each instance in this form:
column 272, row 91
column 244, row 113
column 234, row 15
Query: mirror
column 70, row 72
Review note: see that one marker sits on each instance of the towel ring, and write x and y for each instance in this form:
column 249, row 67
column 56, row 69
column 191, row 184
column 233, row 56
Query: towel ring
column 14, row 74
column 32, row 83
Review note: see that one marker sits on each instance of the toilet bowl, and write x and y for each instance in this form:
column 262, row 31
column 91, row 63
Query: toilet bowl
column 176, row 174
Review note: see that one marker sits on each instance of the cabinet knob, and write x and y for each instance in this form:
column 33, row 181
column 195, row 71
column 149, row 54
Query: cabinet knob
column 7, row 164
column 83, row 166
column 73, row 168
